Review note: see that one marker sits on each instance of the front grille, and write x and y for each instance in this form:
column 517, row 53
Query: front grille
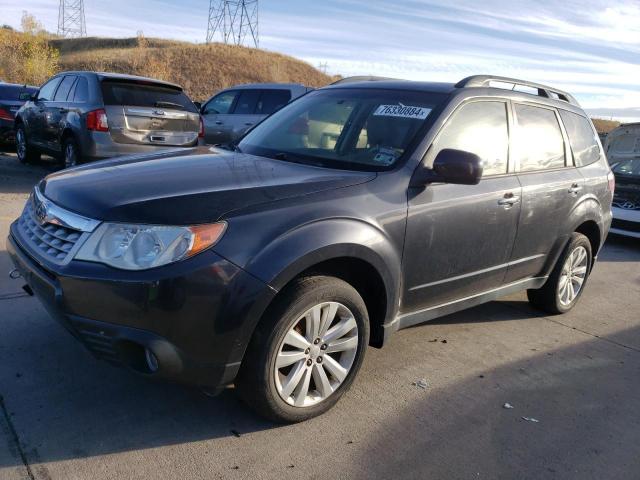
column 626, row 225
column 54, row 242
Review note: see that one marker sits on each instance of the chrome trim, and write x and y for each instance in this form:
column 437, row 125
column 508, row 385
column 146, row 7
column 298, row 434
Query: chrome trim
column 477, row 272
column 49, row 212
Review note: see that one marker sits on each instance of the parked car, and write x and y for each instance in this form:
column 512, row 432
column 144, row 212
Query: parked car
column 12, row 97
column 623, row 151
column 231, row 112
column 84, row 116
column 355, row 211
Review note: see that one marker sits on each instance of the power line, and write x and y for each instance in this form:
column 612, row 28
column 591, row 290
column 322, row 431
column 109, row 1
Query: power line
column 233, row 21
column 71, row 19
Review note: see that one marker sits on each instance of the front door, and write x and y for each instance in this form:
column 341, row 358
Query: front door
column 459, row 237
column 217, row 118
column 56, row 113
column 36, row 117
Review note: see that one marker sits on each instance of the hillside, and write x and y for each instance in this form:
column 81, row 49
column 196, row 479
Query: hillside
column 200, row 69
column 604, row 126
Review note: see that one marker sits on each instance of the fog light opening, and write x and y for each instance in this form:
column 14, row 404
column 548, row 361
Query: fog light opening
column 152, row 360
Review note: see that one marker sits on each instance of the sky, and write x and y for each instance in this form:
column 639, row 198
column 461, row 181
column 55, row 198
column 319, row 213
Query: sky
column 590, row 48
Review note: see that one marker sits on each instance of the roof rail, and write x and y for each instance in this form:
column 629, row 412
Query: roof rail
column 543, row 90
column 362, row 78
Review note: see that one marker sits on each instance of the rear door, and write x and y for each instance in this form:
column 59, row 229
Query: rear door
column 551, row 188
column 150, row 114
column 217, row 118
column 459, row 237
column 244, row 113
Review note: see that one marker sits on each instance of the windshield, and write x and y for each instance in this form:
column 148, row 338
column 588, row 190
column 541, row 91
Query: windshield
column 348, row 128
column 629, row 166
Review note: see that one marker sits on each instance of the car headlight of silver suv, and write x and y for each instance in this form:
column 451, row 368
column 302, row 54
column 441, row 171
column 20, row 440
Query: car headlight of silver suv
column 139, row 247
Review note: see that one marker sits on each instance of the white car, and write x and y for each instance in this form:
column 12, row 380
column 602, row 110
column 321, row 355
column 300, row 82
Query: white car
column 623, row 152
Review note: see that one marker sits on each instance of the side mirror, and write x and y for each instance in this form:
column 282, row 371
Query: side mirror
column 452, row 166
column 198, row 105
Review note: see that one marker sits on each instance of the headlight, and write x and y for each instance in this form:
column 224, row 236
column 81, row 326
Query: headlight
column 138, row 247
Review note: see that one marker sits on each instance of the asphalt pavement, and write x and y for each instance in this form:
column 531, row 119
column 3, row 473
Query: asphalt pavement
column 65, row 415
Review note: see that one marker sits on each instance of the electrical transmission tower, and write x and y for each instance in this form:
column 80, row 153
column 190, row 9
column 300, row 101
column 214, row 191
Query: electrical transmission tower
column 71, row 19
column 233, row 21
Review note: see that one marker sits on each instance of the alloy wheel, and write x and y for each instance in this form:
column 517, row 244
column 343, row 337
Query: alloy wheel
column 316, row 354
column 21, row 145
column 70, row 157
column 572, row 276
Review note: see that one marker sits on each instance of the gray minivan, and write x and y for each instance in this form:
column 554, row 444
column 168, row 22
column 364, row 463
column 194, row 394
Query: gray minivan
column 82, row 116
column 231, row 112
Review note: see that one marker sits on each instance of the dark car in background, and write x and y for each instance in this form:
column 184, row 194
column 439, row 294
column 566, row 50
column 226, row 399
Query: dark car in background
column 231, row 112
column 357, row 210
column 84, row 116
column 12, row 97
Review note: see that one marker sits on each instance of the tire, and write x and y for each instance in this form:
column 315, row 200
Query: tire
column 265, row 386
column 26, row 153
column 70, row 153
column 557, row 296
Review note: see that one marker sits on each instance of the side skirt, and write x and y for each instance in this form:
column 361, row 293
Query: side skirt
column 421, row 316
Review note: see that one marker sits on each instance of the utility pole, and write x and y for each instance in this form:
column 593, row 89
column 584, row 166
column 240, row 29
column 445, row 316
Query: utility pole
column 71, row 19
column 233, row 22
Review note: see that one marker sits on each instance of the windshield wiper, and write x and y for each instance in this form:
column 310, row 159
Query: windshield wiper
column 169, row 105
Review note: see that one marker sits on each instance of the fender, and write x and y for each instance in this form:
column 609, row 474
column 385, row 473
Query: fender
column 297, row 250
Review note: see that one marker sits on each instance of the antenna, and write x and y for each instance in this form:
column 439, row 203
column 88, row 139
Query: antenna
column 233, row 21
column 71, row 19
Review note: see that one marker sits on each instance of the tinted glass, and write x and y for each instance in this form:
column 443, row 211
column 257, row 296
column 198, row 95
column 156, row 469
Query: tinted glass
column 480, row 128
column 145, row 95
column 350, row 128
column 272, row 100
column 247, row 102
column 14, row 92
column 538, row 139
column 629, row 166
column 64, row 88
column 582, row 138
column 48, row 89
column 81, row 93
column 220, row 103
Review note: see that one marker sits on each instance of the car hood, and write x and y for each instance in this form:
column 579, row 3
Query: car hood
column 186, row 186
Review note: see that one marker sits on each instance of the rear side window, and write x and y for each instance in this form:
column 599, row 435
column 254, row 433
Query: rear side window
column 64, row 88
column 220, row 104
column 48, row 89
column 247, row 102
column 480, row 128
column 581, row 138
column 272, row 100
column 81, row 94
column 539, row 144
column 145, row 95
column 14, row 93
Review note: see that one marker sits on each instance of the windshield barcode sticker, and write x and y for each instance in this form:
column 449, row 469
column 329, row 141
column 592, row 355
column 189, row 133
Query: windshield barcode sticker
column 405, row 111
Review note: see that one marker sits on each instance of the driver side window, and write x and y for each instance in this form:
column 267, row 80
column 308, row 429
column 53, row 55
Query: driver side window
column 480, row 128
column 48, row 90
column 220, row 104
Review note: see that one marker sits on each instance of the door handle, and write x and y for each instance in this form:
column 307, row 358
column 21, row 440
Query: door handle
column 509, row 200
column 218, row 122
column 248, row 124
column 575, row 188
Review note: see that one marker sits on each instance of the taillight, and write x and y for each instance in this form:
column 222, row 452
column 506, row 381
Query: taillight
column 6, row 114
column 201, row 130
column 97, row 121
column 612, row 182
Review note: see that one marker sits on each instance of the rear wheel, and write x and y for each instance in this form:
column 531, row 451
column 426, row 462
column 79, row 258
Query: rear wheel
column 306, row 352
column 565, row 284
column 26, row 153
column 70, row 152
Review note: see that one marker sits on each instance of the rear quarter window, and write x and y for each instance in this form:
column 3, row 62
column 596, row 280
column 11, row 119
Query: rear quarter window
column 582, row 138
column 145, row 95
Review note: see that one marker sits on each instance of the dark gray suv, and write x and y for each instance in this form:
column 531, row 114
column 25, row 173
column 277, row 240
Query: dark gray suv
column 83, row 116
column 356, row 210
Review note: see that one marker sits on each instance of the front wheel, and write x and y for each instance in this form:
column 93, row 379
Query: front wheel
column 26, row 153
column 307, row 350
column 566, row 283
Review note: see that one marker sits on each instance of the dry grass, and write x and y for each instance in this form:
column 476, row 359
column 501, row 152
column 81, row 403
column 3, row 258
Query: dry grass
column 604, row 126
column 200, row 69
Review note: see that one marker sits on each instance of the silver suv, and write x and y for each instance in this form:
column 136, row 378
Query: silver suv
column 231, row 112
column 83, row 116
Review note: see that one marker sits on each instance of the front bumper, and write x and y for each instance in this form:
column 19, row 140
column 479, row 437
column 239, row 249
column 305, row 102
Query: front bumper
column 195, row 316
column 625, row 222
